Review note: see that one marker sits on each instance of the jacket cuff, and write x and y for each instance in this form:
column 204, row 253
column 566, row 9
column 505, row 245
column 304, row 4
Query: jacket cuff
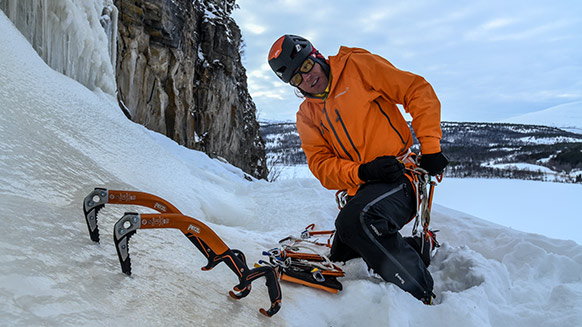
column 355, row 176
column 430, row 145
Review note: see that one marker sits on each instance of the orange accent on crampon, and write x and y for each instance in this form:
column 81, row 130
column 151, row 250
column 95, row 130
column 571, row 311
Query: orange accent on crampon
column 142, row 199
column 264, row 312
column 321, row 232
column 335, row 273
column 311, row 232
column 304, row 256
column 302, row 282
column 315, row 257
column 187, row 225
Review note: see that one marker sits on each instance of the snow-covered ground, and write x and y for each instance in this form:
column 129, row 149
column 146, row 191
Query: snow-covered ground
column 549, row 175
column 566, row 116
column 536, row 207
column 58, row 141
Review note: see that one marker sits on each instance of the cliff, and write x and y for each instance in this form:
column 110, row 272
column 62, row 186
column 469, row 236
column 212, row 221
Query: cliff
column 177, row 66
column 179, row 72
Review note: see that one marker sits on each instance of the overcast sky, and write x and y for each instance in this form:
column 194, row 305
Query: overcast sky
column 487, row 60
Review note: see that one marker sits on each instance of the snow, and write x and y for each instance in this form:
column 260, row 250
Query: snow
column 522, row 166
column 567, row 116
column 536, row 207
column 549, row 140
column 292, row 172
column 59, row 140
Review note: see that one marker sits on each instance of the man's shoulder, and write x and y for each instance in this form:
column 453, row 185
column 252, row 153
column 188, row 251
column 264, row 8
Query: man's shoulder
column 351, row 55
column 357, row 57
column 310, row 104
column 352, row 50
column 309, row 108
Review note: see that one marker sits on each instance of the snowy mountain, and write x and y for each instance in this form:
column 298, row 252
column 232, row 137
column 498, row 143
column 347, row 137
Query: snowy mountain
column 59, row 140
column 566, row 116
column 487, row 150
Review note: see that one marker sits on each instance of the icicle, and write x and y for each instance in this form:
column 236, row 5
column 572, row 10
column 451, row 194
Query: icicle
column 75, row 37
column 109, row 22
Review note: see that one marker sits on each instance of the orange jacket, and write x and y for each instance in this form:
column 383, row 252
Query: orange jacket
column 359, row 120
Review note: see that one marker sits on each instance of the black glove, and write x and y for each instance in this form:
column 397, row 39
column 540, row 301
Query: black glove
column 386, row 169
column 434, row 163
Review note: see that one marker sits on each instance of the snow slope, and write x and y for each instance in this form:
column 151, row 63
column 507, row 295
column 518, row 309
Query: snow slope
column 566, row 116
column 543, row 208
column 58, row 141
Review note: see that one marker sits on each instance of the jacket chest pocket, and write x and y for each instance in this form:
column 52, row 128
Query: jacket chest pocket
column 328, row 137
column 336, row 133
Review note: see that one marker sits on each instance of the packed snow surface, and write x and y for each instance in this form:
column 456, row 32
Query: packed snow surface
column 58, row 141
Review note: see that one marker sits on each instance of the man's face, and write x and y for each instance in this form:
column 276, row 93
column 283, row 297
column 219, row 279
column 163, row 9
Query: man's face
column 315, row 81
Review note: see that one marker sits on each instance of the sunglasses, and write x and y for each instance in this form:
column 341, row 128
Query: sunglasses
column 306, row 67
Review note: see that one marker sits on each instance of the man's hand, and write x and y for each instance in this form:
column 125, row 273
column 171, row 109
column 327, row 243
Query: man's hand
column 434, row 163
column 385, row 169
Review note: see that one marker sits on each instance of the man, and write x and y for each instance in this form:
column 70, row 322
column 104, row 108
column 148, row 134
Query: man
column 356, row 139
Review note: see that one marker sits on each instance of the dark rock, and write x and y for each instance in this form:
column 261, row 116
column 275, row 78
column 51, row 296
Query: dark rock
column 179, row 72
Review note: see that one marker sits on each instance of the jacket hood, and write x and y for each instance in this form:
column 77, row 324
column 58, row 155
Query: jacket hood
column 343, row 54
column 337, row 64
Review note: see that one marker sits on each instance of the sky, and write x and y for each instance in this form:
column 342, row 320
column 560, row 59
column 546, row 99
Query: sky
column 487, row 60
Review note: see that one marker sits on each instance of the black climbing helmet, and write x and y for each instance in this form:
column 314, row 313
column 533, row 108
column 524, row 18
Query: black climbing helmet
column 287, row 54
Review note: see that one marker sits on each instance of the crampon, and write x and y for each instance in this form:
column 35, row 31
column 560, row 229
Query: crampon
column 302, row 261
column 202, row 236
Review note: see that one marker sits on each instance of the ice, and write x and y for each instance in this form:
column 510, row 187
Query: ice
column 74, row 37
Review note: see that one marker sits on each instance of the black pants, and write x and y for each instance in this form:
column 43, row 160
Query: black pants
column 368, row 227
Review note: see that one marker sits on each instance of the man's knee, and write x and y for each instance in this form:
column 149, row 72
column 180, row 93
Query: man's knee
column 380, row 226
column 347, row 221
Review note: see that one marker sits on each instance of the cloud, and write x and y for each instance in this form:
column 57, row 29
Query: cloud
column 497, row 23
column 254, row 28
column 484, row 58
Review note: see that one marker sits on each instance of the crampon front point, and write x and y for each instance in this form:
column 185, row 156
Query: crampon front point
column 202, row 236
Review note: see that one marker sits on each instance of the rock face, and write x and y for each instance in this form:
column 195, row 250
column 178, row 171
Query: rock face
column 179, row 72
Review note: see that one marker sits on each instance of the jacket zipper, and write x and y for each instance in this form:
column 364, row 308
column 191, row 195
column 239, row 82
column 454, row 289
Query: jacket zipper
column 347, row 134
column 390, row 122
column 335, row 133
column 323, row 131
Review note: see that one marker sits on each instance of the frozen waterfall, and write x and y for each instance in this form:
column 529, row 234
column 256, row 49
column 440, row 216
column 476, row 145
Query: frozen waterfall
column 74, row 37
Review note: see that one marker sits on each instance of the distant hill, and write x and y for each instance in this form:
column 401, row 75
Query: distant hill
column 474, row 149
column 565, row 116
